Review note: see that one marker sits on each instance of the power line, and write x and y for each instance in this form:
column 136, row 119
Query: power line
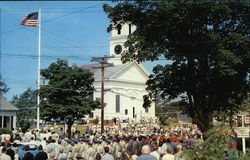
column 84, row 46
column 44, row 57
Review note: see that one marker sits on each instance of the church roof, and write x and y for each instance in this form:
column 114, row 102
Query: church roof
column 6, row 105
column 109, row 71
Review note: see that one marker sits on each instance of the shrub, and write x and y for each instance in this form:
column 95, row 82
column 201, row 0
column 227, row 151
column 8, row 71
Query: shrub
column 6, row 131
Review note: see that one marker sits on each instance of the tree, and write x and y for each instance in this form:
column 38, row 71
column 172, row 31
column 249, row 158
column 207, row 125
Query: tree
column 214, row 147
column 207, row 43
column 3, row 87
column 67, row 95
column 164, row 120
column 26, row 104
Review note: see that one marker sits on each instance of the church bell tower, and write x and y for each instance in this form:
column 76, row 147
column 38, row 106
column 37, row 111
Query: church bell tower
column 117, row 40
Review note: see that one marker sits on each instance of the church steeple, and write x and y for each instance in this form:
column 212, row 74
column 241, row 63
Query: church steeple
column 117, row 40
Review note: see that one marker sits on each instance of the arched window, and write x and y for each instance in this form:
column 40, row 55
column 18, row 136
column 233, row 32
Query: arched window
column 119, row 28
column 129, row 27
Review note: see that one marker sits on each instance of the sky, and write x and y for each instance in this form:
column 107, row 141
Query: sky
column 75, row 31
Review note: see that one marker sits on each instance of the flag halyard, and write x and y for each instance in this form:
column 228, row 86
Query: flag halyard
column 30, row 20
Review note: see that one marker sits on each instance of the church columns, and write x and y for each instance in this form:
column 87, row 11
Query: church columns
column 11, row 122
column 8, row 121
column 14, row 122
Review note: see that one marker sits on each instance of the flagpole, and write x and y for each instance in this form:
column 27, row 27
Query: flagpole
column 38, row 68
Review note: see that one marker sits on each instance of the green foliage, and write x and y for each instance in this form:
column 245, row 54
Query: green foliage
column 3, row 87
column 67, row 95
column 26, row 103
column 215, row 145
column 6, row 131
column 164, row 120
column 207, row 43
column 96, row 120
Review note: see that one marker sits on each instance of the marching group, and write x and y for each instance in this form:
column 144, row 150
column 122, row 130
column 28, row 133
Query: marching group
column 163, row 145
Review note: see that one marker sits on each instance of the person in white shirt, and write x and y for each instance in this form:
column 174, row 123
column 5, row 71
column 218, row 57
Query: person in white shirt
column 155, row 152
column 169, row 155
column 4, row 156
column 107, row 156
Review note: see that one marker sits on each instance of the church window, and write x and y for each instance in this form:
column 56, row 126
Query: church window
column 91, row 96
column 91, row 115
column 133, row 112
column 117, row 103
column 129, row 29
column 119, row 28
column 126, row 112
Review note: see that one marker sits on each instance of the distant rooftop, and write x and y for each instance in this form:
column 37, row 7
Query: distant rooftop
column 6, row 105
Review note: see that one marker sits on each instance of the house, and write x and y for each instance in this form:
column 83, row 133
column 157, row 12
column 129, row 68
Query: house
column 7, row 114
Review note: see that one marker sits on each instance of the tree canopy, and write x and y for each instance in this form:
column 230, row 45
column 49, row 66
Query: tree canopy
column 26, row 103
column 3, row 87
column 67, row 93
column 207, row 42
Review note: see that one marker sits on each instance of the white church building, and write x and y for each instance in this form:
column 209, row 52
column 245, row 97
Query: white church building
column 124, row 84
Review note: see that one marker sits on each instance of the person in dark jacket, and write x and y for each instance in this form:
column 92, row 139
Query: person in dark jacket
column 41, row 155
column 10, row 152
column 28, row 155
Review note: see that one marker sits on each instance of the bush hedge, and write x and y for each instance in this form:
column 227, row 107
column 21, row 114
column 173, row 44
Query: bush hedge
column 6, row 131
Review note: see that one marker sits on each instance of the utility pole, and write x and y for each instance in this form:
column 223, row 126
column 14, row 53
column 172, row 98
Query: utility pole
column 104, row 63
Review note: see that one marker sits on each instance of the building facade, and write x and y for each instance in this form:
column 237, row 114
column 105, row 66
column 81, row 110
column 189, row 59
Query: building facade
column 7, row 114
column 124, row 84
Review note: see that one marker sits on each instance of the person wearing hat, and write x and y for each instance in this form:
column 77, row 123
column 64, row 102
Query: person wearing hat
column 28, row 155
column 76, row 147
column 60, row 148
column 41, row 155
column 51, row 147
column 84, row 144
column 117, row 149
column 123, row 143
column 88, row 150
column 90, row 153
column 69, row 149
column 99, row 148
column 135, row 146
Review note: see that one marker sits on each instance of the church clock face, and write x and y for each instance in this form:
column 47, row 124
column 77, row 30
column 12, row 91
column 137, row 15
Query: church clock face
column 118, row 49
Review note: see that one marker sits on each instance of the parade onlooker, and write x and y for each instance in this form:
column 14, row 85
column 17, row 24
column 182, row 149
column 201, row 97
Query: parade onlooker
column 10, row 152
column 41, row 155
column 155, row 152
column 146, row 154
column 4, row 156
column 98, row 156
column 107, row 156
column 232, row 152
column 28, row 155
column 169, row 155
column 178, row 155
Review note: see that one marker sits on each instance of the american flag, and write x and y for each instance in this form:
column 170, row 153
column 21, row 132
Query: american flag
column 30, row 20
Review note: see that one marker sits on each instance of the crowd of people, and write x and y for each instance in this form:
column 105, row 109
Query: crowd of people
column 164, row 144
